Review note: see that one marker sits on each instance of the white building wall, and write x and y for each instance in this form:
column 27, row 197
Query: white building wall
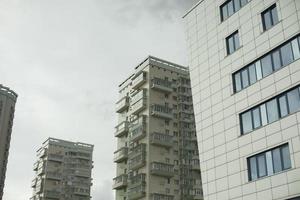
column 223, row 150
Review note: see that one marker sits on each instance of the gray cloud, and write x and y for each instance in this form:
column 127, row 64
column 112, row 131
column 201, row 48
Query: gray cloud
column 65, row 60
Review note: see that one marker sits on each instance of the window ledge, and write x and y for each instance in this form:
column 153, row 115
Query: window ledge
column 284, row 171
column 227, row 55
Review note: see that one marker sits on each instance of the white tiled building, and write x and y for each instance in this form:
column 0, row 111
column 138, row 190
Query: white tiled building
column 245, row 77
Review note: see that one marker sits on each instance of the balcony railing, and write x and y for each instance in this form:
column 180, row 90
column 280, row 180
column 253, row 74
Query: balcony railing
column 136, row 192
column 42, row 153
column 33, row 183
column 121, row 129
column 137, row 180
column 161, row 85
column 122, row 104
column 139, row 80
column 121, row 155
column 161, row 111
column 83, row 173
column 52, row 194
column 161, row 139
column 82, row 192
column 120, row 182
column 137, row 129
column 156, row 196
column 137, row 157
column 54, row 175
column 55, row 157
column 162, row 169
column 196, row 165
column 138, row 102
column 41, row 170
column 35, row 166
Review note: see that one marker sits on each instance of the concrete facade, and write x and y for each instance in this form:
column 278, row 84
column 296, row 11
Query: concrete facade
column 8, row 100
column 225, row 150
column 157, row 153
column 63, row 171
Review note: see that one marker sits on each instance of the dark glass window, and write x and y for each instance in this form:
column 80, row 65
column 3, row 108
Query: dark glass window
column 293, row 100
column 230, row 7
column 276, row 60
column 269, row 162
column 272, row 110
column 256, row 118
column 247, row 122
column 283, row 106
column 252, row 74
column 266, row 64
column 269, row 17
column 269, row 63
column 287, row 54
column 245, row 78
column 232, row 42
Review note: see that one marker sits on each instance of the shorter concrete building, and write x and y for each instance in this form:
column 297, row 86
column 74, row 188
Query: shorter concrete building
column 63, row 171
column 8, row 100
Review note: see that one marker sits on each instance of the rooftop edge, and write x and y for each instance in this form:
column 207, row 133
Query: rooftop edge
column 190, row 10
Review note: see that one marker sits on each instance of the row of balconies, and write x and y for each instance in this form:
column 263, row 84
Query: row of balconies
column 161, row 111
column 162, row 169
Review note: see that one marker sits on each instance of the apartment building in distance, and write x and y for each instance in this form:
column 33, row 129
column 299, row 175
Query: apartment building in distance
column 63, row 171
column 245, row 78
column 157, row 153
column 8, row 100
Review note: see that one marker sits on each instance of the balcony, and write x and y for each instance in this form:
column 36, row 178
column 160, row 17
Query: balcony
column 137, row 180
column 121, row 129
column 138, row 102
column 195, row 165
column 161, row 85
column 82, row 191
column 35, row 166
column 161, row 139
column 42, row 153
column 162, row 169
column 137, row 157
column 120, row 182
column 136, row 192
column 139, row 80
column 41, row 170
column 55, row 157
column 122, row 104
column 83, row 173
column 33, row 183
column 156, row 196
column 121, row 155
column 52, row 194
column 53, row 175
column 137, row 129
column 161, row 111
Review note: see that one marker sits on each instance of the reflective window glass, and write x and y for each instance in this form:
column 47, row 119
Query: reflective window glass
column 262, row 168
column 274, row 16
column 276, row 160
column 269, row 163
column 276, row 60
column 237, row 5
column 256, row 117
column 245, row 78
column 266, row 65
column 286, row 157
column 295, row 47
column 236, row 41
column 252, row 74
column 263, row 111
column 293, row 100
column 230, row 8
column 230, row 45
column 247, row 122
column 224, row 12
column 244, row 2
column 267, row 20
column 253, row 168
column 238, row 83
column 286, row 54
column 272, row 110
column 283, row 106
column 258, row 70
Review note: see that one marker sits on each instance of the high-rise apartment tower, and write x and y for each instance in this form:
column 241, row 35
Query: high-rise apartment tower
column 157, row 155
column 63, row 171
column 245, row 77
column 8, row 100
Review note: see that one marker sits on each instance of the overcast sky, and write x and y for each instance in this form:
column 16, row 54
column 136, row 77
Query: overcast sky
column 65, row 59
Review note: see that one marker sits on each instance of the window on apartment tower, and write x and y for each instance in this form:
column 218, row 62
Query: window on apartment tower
column 269, row 17
column 269, row 162
column 232, row 42
column 230, row 7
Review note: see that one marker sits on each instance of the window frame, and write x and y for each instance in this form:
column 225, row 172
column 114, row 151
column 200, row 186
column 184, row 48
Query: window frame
column 235, row 47
column 235, row 10
column 269, row 10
